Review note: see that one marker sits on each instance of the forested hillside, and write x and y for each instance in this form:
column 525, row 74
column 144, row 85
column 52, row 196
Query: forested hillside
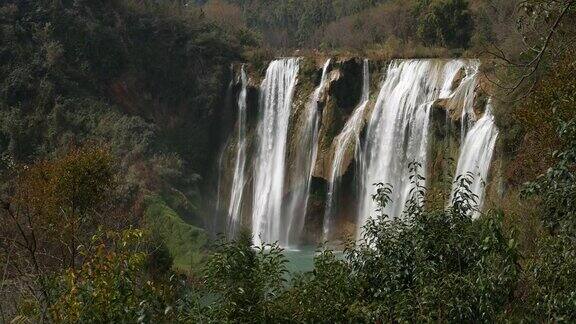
column 136, row 77
column 156, row 64
column 367, row 24
column 113, row 88
column 117, row 118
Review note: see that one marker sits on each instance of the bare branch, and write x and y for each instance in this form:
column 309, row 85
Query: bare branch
column 538, row 59
column 532, row 66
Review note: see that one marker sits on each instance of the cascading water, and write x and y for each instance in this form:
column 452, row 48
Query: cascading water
column 304, row 161
column 463, row 97
column 397, row 132
column 217, row 217
column 234, row 208
column 451, row 69
column 275, row 104
column 348, row 137
column 476, row 155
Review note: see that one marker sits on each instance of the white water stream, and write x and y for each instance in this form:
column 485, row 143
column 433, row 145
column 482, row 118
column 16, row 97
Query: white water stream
column 475, row 157
column 397, row 133
column 348, row 138
column 275, row 104
column 304, row 161
column 238, row 182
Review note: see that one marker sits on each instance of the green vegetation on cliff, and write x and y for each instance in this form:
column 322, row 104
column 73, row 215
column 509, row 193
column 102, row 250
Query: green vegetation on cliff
column 184, row 241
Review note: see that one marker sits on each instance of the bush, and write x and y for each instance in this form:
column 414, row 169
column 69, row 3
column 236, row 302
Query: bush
column 552, row 278
column 557, row 187
column 325, row 295
column 434, row 265
column 244, row 281
column 111, row 286
column 550, row 275
column 425, row 266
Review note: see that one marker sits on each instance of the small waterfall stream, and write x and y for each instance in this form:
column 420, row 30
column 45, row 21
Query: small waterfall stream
column 276, row 94
column 463, row 97
column 348, row 137
column 304, row 160
column 476, row 155
column 238, row 182
column 451, row 69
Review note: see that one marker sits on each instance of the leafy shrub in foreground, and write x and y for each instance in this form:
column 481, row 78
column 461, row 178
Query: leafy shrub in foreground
column 557, row 187
column 243, row 281
column 551, row 274
column 425, row 266
column 321, row 296
column 552, row 278
column 110, row 286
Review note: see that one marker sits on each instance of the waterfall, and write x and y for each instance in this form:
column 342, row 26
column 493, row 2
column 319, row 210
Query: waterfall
column 304, row 161
column 276, row 94
column 397, row 132
column 463, row 97
column 476, row 155
column 348, row 137
column 451, row 69
column 216, row 217
column 235, row 206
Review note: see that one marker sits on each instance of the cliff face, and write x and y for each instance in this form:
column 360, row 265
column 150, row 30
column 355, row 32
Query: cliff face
column 337, row 101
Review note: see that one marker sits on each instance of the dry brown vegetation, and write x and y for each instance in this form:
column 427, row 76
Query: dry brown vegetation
column 389, row 23
column 224, row 14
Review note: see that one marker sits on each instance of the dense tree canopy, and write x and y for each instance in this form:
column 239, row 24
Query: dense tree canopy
column 311, row 23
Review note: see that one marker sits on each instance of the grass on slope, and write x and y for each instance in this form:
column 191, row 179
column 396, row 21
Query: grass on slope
column 184, row 241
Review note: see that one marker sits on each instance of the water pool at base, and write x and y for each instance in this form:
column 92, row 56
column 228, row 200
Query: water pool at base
column 302, row 260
